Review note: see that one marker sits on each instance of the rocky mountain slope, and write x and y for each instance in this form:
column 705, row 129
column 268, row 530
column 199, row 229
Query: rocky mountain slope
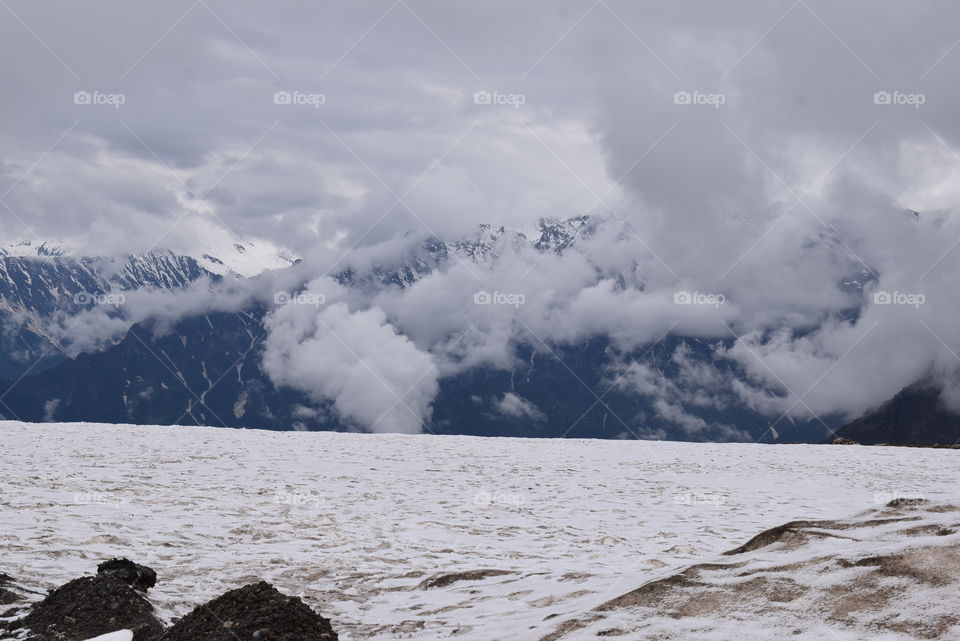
column 207, row 369
column 38, row 290
column 915, row 416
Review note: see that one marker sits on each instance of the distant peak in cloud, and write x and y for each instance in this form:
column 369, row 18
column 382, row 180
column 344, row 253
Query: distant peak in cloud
column 246, row 258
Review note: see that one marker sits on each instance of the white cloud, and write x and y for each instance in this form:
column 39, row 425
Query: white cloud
column 375, row 377
column 516, row 406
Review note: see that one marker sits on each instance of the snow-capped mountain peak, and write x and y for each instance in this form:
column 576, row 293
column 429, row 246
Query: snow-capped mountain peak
column 39, row 248
column 245, row 259
column 241, row 258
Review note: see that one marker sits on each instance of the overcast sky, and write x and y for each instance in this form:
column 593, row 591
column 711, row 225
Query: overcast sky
column 587, row 110
column 765, row 150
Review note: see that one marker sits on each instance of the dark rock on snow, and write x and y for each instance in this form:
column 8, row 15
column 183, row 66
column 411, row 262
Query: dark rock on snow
column 87, row 607
column 133, row 574
column 256, row 611
column 8, row 592
column 443, row 580
column 93, row 605
column 12, row 594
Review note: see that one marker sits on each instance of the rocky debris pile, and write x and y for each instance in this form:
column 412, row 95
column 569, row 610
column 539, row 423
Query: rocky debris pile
column 112, row 603
column 257, row 611
column 133, row 574
column 87, row 607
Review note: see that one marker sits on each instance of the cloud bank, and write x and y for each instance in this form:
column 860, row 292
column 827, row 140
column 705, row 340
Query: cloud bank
column 765, row 153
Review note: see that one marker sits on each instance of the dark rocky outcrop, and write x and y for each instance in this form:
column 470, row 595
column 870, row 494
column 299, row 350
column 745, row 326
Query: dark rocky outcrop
column 915, row 416
column 87, row 607
column 13, row 597
column 257, row 611
column 133, row 574
column 8, row 591
column 112, row 600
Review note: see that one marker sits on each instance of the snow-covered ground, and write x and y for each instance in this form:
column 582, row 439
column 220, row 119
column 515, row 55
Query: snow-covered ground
column 889, row 574
column 357, row 524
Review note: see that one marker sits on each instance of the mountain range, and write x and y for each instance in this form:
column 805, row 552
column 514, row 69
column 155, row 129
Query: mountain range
column 207, row 368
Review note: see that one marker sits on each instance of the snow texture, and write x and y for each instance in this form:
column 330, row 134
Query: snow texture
column 388, row 534
column 120, row 635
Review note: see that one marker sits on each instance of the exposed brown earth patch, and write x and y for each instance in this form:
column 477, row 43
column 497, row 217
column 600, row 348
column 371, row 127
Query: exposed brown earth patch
column 443, row 580
column 867, row 573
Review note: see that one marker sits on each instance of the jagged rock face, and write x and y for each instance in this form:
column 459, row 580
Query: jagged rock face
column 36, row 288
column 26, row 248
column 488, row 243
column 45, row 285
column 42, row 278
column 558, row 236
